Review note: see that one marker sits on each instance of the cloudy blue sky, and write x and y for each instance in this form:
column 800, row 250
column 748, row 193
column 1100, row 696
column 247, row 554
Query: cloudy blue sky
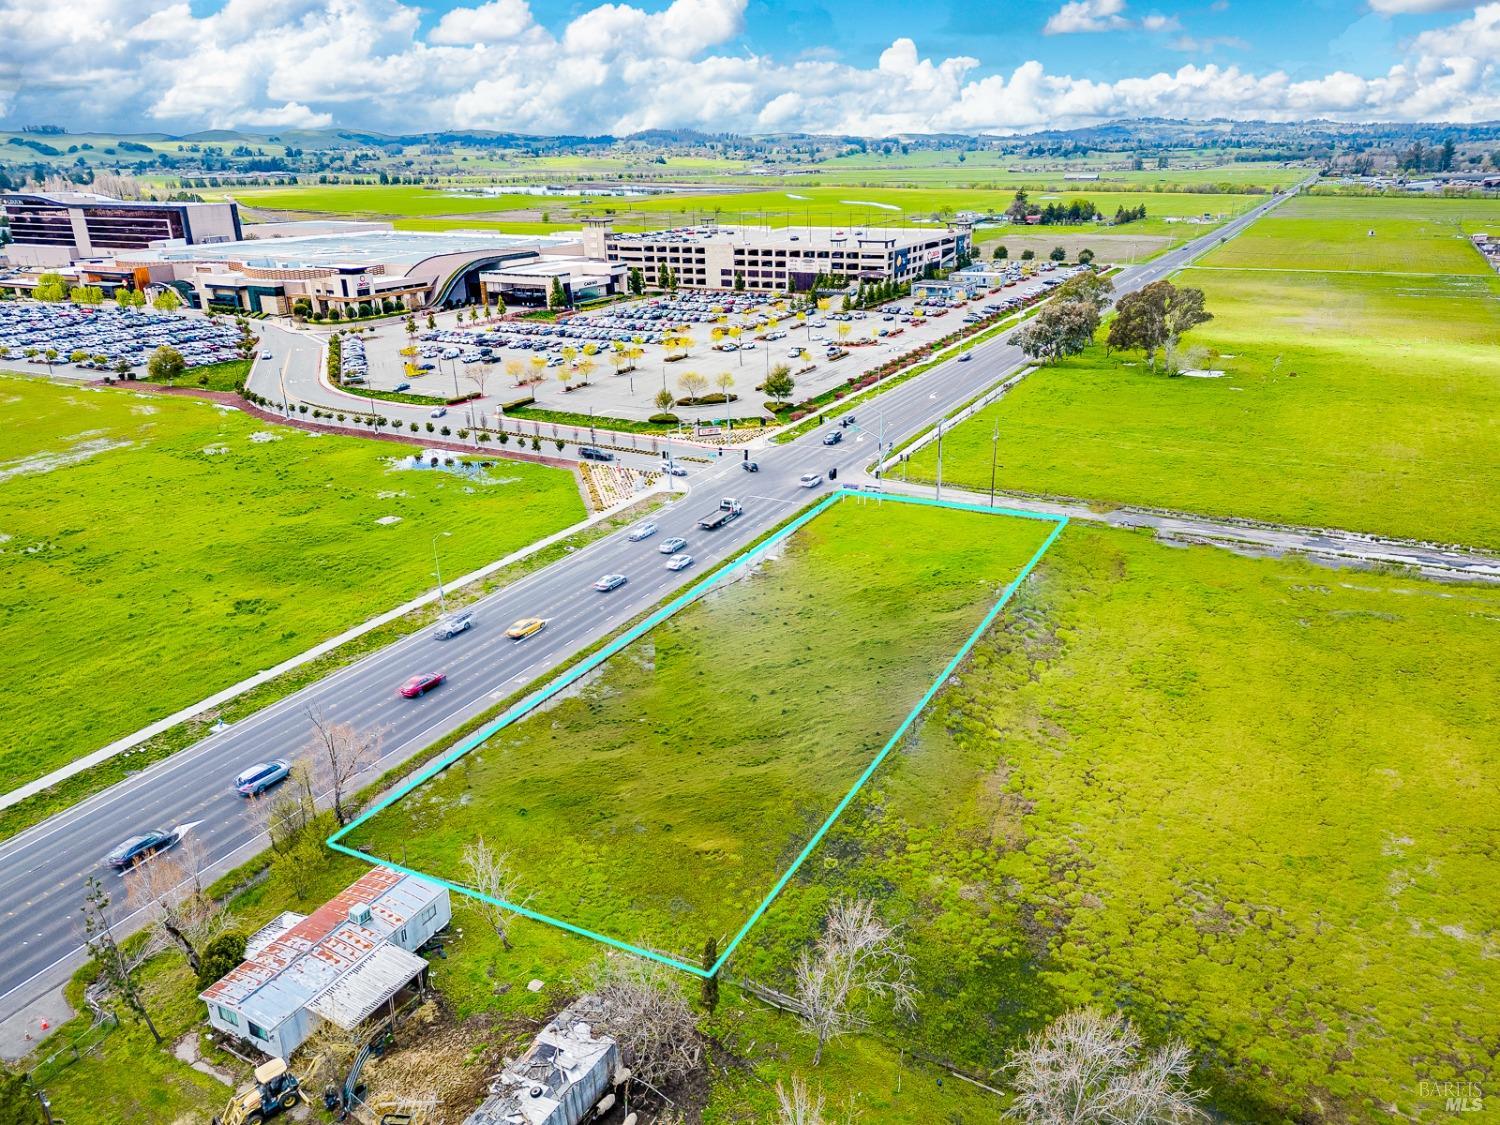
column 868, row 67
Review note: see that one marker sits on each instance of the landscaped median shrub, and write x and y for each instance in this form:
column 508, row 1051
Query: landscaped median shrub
column 714, row 399
column 664, row 419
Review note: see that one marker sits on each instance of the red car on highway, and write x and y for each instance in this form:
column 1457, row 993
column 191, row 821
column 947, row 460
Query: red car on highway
column 421, row 684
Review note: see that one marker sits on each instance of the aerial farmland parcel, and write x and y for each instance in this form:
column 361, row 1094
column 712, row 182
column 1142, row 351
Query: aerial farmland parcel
column 1131, row 792
column 156, row 549
column 656, row 801
column 420, row 208
column 1239, row 798
column 1359, row 345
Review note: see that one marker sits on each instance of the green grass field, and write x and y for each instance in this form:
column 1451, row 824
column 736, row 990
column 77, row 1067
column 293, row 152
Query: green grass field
column 419, row 208
column 157, row 549
column 1002, row 170
column 844, row 206
column 387, row 201
column 1236, row 797
column 1135, row 792
column 1323, row 234
column 227, row 376
column 657, row 801
column 1352, row 398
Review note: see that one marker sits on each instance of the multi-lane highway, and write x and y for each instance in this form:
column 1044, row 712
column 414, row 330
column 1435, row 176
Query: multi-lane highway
column 42, row 870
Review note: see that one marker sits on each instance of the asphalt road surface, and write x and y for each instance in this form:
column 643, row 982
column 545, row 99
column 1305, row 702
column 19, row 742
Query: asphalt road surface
column 42, row 870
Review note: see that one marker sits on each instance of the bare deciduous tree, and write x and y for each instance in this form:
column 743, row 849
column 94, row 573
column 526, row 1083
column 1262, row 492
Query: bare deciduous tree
column 478, row 374
column 640, row 1004
column 339, row 753
column 169, row 888
column 693, row 384
column 799, row 1105
column 1088, row 1067
column 858, row 957
column 489, row 872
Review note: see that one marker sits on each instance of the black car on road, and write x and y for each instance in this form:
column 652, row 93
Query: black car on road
column 833, row 437
column 140, row 848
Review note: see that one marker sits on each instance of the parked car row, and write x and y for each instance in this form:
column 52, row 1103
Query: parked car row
column 354, row 367
column 647, row 321
column 111, row 333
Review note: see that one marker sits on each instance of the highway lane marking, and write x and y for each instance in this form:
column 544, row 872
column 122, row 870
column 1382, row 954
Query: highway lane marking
column 223, row 863
column 773, row 499
column 281, row 709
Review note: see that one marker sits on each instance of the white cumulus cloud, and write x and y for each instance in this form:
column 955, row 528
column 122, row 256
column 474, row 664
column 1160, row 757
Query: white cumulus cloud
column 1103, row 15
column 618, row 68
column 1393, row 7
column 1087, row 15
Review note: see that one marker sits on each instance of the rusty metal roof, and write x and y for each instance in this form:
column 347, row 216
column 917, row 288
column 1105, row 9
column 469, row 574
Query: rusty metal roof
column 297, row 966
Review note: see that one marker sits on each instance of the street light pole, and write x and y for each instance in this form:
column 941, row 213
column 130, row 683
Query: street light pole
column 994, row 453
column 939, row 494
column 286, row 407
column 438, row 569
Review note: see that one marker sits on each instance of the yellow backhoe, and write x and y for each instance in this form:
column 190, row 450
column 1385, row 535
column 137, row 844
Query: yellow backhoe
column 276, row 1090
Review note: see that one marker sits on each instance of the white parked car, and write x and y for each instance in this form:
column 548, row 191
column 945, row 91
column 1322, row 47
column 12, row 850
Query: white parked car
column 453, row 625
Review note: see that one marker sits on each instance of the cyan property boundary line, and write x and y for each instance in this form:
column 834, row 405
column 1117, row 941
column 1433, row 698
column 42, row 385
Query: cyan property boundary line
column 541, row 695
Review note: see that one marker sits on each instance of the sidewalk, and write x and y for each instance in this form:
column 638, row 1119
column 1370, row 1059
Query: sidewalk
column 22, row 1032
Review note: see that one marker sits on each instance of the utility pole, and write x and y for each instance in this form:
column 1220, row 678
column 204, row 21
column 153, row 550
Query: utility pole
column 994, row 453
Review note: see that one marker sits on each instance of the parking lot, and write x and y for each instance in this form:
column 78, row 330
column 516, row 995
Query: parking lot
column 614, row 362
column 105, row 335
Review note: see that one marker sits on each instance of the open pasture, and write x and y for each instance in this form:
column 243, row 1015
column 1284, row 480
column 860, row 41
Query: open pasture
column 156, row 549
column 1350, row 397
column 655, row 797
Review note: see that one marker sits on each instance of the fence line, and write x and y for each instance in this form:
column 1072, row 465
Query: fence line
column 790, row 1004
column 73, row 1051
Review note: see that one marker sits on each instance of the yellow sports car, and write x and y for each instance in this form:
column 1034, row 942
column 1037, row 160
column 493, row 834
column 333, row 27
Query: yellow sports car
column 525, row 627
